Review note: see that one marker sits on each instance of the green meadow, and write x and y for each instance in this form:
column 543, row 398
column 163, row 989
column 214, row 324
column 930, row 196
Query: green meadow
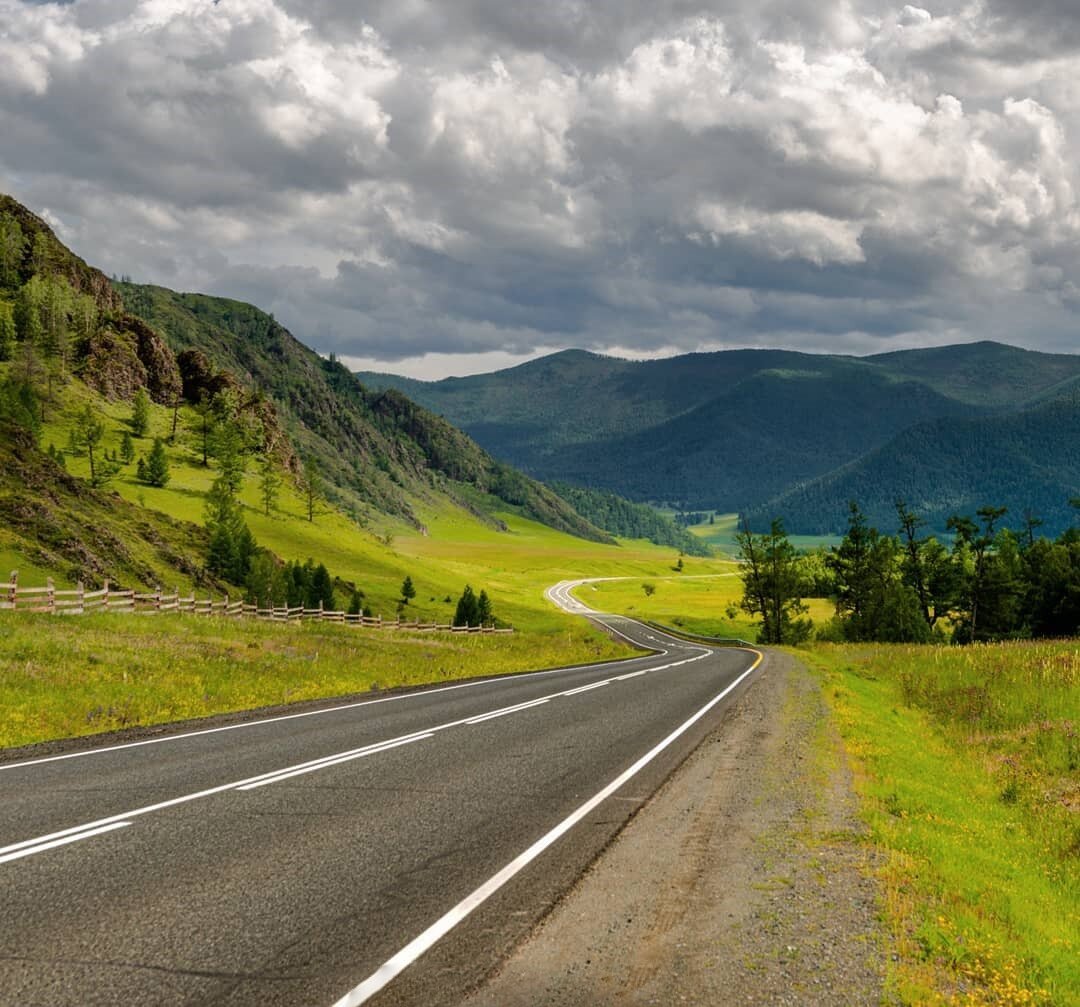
column 967, row 764
column 721, row 535
column 704, row 599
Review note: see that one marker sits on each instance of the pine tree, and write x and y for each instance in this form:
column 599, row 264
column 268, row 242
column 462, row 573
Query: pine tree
column 7, row 330
column 127, row 448
column 467, row 614
column 484, row 614
column 12, row 249
column 269, row 483
column 408, row 592
column 157, row 464
column 140, row 413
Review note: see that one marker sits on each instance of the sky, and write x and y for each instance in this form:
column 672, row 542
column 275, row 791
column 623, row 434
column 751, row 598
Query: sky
column 440, row 187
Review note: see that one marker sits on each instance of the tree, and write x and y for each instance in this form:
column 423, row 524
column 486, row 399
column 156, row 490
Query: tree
column 484, row 615
column 988, row 568
column 269, row 483
column 7, row 330
column 12, row 250
column 232, row 545
column 203, row 426
column 127, row 448
column 89, row 431
column 770, row 579
column 321, row 589
column 311, row 486
column 28, row 327
column 157, row 464
column 140, row 413
column 55, row 311
column 265, row 581
column 467, row 613
column 408, row 592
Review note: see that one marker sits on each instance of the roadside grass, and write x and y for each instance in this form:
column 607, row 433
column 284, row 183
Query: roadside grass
column 94, row 673
column 698, row 600
column 968, row 767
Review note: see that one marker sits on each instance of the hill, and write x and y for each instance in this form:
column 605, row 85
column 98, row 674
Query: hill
column 734, row 429
column 1028, row 461
column 74, row 343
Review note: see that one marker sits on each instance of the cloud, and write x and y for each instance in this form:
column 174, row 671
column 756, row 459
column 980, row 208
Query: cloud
column 483, row 177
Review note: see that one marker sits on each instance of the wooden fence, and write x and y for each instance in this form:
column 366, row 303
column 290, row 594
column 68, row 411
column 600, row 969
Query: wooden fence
column 79, row 601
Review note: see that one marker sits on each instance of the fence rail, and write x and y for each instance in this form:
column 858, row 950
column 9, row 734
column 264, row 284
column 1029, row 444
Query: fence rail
column 49, row 599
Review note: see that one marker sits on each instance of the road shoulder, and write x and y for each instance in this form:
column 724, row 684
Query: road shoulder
column 746, row 879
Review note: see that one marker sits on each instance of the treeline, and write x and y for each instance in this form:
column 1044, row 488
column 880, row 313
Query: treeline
column 989, row 583
column 629, row 520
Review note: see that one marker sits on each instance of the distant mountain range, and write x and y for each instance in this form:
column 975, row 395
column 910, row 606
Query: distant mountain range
column 773, row 432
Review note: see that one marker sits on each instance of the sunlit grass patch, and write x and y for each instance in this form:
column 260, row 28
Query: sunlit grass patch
column 66, row 677
column 970, row 778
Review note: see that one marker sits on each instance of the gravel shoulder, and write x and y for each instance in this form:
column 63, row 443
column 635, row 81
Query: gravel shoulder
column 745, row 880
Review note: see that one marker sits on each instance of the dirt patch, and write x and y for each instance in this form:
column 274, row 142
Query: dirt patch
column 746, row 880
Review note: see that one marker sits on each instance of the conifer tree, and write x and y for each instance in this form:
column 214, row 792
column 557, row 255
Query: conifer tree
column 127, row 448
column 140, row 413
column 157, row 464
column 408, row 592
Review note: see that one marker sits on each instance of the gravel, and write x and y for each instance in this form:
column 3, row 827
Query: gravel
column 747, row 879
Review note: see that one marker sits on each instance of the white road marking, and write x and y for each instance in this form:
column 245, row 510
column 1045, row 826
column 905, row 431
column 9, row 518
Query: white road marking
column 40, row 843
column 28, row 849
column 335, row 761
column 587, row 688
column 394, row 966
column 510, row 709
column 25, row 763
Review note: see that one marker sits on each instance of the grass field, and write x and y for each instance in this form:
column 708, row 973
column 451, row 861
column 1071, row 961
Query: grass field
column 67, row 677
column 702, row 599
column 968, row 767
column 721, row 535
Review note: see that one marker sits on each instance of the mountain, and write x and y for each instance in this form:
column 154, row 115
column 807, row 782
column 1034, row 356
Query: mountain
column 378, row 448
column 736, row 429
column 72, row 341
column 1028, row 461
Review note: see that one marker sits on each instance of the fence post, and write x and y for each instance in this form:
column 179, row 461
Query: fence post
column 82, row 593
column 157, row 597
column 14, row 589
column 105, row 596
column 226, row 612
column 320, row 609
column 50, row 597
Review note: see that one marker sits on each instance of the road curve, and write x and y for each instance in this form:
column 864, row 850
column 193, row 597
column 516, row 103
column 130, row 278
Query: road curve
column 389, row 851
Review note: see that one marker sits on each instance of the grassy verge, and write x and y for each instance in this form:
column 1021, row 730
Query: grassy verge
column 969, row 774
column 102, row 672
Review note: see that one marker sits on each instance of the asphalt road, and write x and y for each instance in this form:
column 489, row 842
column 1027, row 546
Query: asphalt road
column 384, row 852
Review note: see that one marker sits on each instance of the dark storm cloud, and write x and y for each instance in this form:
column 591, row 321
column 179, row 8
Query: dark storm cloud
column 408, row 177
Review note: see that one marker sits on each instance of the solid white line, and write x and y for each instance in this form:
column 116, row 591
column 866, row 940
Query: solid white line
column 373, row 750
column 394, row 966
column 280, row 773
column 510, row 709
column 28, row 849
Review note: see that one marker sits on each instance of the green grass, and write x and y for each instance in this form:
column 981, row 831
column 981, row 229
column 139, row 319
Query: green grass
column 721, row 535
column 968, row 767
column 66, row 677
column 699, row 599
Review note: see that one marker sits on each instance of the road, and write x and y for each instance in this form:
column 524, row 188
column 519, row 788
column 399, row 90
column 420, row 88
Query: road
column 390, row 851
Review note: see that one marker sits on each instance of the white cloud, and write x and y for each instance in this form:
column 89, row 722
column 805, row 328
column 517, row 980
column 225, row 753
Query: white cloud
column 405, row 180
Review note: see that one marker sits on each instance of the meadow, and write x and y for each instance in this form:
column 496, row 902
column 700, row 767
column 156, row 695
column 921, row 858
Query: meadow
column 79, row 675
column 968, row 768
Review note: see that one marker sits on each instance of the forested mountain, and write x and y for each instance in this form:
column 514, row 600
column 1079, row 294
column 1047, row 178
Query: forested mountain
column 376, row 447
column 71, row 341
column 1028, row 461
column 628, row 519
column 733, row 430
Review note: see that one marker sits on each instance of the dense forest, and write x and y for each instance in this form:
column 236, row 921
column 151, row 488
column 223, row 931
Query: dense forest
column 629, row 520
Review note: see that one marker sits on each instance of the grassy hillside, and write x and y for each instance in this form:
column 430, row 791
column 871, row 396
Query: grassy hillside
column 1027, row 460
column 379, row 450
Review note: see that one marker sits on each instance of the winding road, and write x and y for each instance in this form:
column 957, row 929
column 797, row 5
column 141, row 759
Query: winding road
column 387, row 851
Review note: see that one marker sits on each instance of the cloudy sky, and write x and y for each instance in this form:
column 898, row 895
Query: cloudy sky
column 444, row 186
